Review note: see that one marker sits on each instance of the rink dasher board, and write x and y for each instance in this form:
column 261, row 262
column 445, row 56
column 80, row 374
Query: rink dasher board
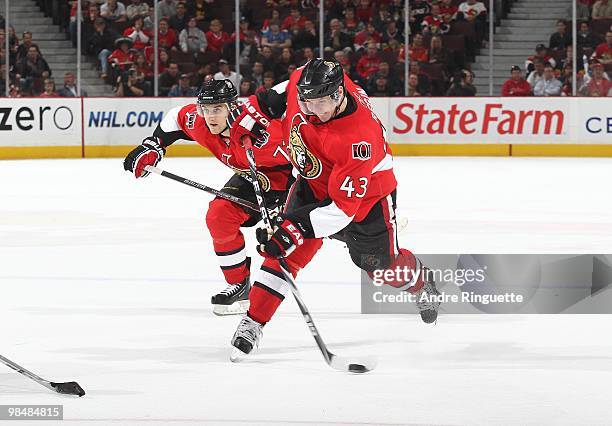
column 108, row 127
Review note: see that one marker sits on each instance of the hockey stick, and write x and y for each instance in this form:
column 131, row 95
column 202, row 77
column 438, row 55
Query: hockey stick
column 334, row 361
column 68, row 388
column 189, row 182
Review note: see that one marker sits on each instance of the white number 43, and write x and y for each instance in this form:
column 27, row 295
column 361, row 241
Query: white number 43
column 348, row 186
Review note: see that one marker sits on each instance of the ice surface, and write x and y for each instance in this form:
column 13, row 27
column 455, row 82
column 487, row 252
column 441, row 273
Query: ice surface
column 106, row 280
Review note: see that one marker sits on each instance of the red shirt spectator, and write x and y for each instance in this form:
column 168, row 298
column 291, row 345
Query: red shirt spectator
column 167, row 37
column 418, row 52
column 122, row 56
column 368, row 64
column 294, row 17
column 216, row 37
column 448, row 10
column 369, row 34
column 350, row 21
column 603, row 52
column 516, row 85
column 138, row 34
column 598, row 85
column 364, row 11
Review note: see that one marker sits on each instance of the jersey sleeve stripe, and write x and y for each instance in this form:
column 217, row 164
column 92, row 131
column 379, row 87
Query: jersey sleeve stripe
column 385, row 164
column 170, row 122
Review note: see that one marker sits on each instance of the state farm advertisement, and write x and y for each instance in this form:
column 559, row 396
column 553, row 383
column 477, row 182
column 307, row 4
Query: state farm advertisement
column 480, row 120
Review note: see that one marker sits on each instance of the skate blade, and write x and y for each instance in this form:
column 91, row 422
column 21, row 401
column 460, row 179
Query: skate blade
column 237, row 308
column 237, row 355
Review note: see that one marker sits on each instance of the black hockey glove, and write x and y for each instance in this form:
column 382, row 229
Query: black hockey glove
column 149, row 153
column 285, row 238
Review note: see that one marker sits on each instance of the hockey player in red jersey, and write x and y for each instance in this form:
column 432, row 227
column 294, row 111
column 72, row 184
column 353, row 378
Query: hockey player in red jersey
column 207, row 122
column 346, row 186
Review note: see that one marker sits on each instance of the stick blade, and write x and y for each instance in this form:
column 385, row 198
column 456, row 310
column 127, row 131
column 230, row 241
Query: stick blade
column 356, row 365
column 68, row 388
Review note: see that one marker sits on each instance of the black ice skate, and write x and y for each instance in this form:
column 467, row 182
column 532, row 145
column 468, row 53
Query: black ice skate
column 232, row 300
column 427, row 307
column 245, row 338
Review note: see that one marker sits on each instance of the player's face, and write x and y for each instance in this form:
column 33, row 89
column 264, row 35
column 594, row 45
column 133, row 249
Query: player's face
column 324, row 108
column 215, row 116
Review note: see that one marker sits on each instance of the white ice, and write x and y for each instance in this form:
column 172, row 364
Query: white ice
column 106, row 280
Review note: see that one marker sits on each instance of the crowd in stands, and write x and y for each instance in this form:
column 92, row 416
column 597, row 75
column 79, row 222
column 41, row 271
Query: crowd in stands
column 549, row 72
column 196, row 43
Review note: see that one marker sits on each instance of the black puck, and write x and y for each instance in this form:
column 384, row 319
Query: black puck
column 357, row 368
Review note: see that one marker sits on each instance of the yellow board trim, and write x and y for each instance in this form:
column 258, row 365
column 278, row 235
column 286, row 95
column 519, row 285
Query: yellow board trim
column 468, row 150
column 28, row 152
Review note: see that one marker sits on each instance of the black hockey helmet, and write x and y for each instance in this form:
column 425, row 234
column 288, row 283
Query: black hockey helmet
column 320, row 78
column 217, row 92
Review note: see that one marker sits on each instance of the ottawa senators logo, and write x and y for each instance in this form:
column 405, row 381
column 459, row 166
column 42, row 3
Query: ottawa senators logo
column 307, row 164
column 264, row 181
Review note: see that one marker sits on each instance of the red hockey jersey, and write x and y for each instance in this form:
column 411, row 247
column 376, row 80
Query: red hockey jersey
column 346, row 159
column 273, row 167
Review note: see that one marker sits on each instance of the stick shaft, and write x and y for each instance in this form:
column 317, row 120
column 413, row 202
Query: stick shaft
column 202, row 187
column 26, row 373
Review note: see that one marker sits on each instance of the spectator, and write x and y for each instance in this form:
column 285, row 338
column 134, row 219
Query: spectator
column 392, row 86
column 122, row 58
column 474, row 12
column 434, row 24
column 461, row 84
column 350, row 22
column 139, row 36
column 163, row 61
column 419, row 9
column 541, row 54
column 31, row 70
column 307, row 37
column 597, row 85
column 392, row 33
column 336, row 38
column 268, row 82
column 113, row 11
column 448, row 10
column 178, row 20
column 266, row 58
column 368, row 63
column 69, row 89
column 366, row 37
column 586, row 38
column 248, row 49
column 381, row 18
column 364, row 11
column 192, row 39
column 247, row 88
column 417, row 51
column 307, row 55
column 14, row 91
column 257, row 74
column 198, row 9
column 295, row 17
column 167, row 9
column 560, row 39
column 290, row 69
column 569, row 58
column 603, row 52
column 198, row 78
column 538, row 73
column 89, row 21
column 274, row 17
column 166, row 38
column 183, row 89
column 275, row 38
column 583, row 11
column 100, row 44
column 566, row 80
column 168, row 78
column 48, row 89
column 439, row 54
column 516, row 85
column 424, row 83
column 24, row 47
column 129, row 85
column 413, row 85
column 143, row 67
column 602, row 9
column 243, row 30
column 548, row 85
column 216, row 37
column 225, row 73
column 283, row 63
column 137, row 8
